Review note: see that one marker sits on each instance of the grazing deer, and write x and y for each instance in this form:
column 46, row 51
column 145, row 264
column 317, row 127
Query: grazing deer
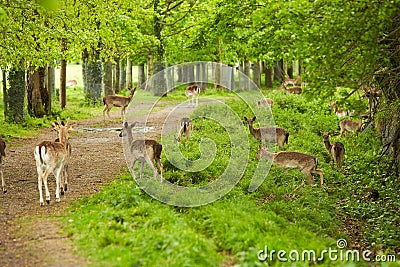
column 143, row 150
column 292, row 82
column 50, row 157
column 118, row 101
column 336, row 150
column 185, row 127
column 339, row 112
column 266, row 102
column 2, row 155
column 349, row 125
column 292, row 90
column 268, row 134
column 306, row 163
column 193, row 91
column 71, row 83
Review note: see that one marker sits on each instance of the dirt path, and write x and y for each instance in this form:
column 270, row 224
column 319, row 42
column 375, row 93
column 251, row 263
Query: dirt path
column 31, row 235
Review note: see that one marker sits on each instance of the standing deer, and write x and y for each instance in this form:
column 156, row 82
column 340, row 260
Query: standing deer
column 64, row 173
column 268, row 134
column 339, row 112
column 266, row 102
column 336, row 150
column 349, row 125
column 185, row 127
column 2, row 155
column 306, row 163
column 118, row 101
column 50, row 157
column 193, row 91
column 146, row 150
column 292, row 90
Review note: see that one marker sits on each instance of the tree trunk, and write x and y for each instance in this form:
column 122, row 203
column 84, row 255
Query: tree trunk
column 122, row 71
column 129, row 73
column 117, row 76
column 107, row 78
column 246, row 85
column 159, row 56
column 38, row 96
column 4, row 83
column 85, row 63
column 289, row 67
column 141, row 75
column 278, row 71
column 14, row 97
column 268, row 78
column 63, row 87
column 257, row 74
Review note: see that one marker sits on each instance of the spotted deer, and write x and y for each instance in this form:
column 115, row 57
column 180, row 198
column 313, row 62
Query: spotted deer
column 118, row 101
column 293, row 82
column 306, row 163
column 336, row 150
column 268, row 134
column 193, row 91
column 265, row 102
column 146, row 150
column 50, row 157
column 292, row 90
column 185, row 128
column 349, row 125
column 340, row 112
column 2, row 156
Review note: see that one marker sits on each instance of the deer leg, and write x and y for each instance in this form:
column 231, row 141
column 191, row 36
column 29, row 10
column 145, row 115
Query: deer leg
column 309, row 176
column 122, row 113
column 104, row 111
column 40, row 180
column 158, row 160
column 58, row 178
column 3, row 184
column 141, row 169
column 133, row 169
column 46, row 188
column 150, row 162
column 65, row 177
column 321, row 176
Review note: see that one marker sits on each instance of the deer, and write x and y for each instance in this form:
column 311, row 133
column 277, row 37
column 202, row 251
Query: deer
column 340, row 112
column 193, row 91
column 71, row 83
column 50, row 157
column 292, row 82
column 146, row 150
column 292, row 90
column 336, row 150
column 185, row 127
column 64, row 174
column 268, row 134
column 349, row 125
column 266, row 102
column 2, row 155
column 307, row 163
column 118, row 101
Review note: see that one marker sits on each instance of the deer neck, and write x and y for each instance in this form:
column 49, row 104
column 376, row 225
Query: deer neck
column 252, row 130
column 268, row 155
column 328, row 145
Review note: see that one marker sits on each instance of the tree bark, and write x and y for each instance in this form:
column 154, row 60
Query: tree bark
column 107, row 78
column 122, row 71
column 141, row 75
column 278, row 71
column 268, row 78
column 63, row 87
column 38, row 96
column 117, row 76
column 129, row 73
column 15, row 96
column 257, row 74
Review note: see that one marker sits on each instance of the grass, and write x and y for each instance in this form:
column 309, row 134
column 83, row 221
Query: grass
column 123, row 226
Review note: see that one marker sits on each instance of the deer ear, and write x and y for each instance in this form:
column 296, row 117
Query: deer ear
column 254, row 118
column 125, row 124
column 245, row 118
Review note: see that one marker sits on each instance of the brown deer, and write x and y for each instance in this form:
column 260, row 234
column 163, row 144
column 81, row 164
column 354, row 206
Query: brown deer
column 266, row 102
column 306, row 163
column 193, row 91
column 118, row 101
column 146, row 150
column 293, row 82
column 292, row 90
column 340, row 112
column 2, row 155
column 349, row 125
column 50, row 157
column 268, row 134
column 336, row 150
column 185, row 127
